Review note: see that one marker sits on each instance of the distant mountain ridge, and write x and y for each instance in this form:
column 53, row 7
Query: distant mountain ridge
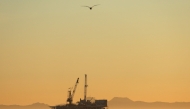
column 120, row 99
column 31, row 106
column 124, row 102
column 116, row 102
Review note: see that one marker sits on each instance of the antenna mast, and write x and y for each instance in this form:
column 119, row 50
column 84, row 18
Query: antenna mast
column 85, row 88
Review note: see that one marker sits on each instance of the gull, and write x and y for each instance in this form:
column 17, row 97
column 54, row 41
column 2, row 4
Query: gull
column 91, row 6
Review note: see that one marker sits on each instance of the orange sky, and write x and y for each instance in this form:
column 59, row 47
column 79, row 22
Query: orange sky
column 128, row 48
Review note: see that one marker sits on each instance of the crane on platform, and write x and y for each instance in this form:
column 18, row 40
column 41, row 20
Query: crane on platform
column 82, row 104
column 71, row 95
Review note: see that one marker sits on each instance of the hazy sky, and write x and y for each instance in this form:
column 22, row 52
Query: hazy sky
column 138, row 49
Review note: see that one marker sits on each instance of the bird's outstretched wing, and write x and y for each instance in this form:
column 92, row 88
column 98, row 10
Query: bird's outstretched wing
column 86, row 6
column 95, row 5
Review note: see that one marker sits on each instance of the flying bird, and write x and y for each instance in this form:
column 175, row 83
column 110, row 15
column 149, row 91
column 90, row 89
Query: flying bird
column 91, row 6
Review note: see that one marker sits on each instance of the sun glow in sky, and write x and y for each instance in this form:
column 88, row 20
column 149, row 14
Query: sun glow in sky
column 138, row 49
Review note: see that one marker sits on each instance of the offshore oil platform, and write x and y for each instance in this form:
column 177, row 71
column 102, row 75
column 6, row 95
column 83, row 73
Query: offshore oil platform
column 82, row 104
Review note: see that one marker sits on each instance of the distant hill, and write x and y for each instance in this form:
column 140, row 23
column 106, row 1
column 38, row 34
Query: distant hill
column 115, row 103
column 120, row 102
column 32, row 106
